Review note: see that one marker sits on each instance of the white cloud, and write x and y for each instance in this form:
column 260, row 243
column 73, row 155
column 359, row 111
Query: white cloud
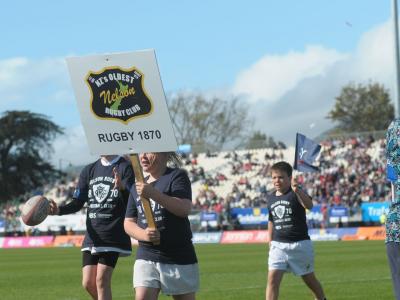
column 19, row 71
column 374, row 57
column 288, row 92
column 27, row 84
column 72, row 148
column 9, row 70
column 273, row 75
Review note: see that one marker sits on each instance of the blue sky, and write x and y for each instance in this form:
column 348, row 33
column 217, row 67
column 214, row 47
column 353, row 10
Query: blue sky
column 287, row 59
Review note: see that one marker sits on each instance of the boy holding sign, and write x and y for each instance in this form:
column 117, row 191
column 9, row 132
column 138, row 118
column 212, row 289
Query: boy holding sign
column 165, row 260
column 123, row 113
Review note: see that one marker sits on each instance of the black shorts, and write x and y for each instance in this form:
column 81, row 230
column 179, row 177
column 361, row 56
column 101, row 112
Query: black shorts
column 105, row 258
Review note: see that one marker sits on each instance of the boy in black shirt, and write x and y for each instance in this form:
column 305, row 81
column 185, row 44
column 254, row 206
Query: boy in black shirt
column 171, row 266
column 104, row 185
column 290, row 247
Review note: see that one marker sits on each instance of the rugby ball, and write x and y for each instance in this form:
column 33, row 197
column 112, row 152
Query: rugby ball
column 35, row 210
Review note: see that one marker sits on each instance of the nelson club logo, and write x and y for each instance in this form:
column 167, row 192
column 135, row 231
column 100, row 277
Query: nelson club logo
column 280, row 211
column 101, row 191
column 118, row 94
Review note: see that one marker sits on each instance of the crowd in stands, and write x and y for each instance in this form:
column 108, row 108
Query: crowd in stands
column 351, row 171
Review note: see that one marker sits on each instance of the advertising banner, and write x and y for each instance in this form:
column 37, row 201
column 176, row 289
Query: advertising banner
column 244, row 236
column 209, row 216
column 76, row 222
column 372, row 233
column 28, row 242
column 206, row 237
column 331, row 234
column 76, row 241
column 338, row 211
column 68, row 240
column 338, row 214
column 250, row 216
column 323, row 235
column 315, row 216
column 372, row 212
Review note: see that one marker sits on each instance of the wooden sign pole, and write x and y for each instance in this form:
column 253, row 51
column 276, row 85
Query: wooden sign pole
column 137, row 169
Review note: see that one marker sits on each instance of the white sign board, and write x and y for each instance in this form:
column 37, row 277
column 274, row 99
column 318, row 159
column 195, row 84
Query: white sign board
column 122, row 103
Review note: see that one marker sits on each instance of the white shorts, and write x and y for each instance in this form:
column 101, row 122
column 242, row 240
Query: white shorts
column 171, row 279
column 296, row 257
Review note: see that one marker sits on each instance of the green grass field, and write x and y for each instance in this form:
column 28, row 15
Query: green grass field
column 347, row 270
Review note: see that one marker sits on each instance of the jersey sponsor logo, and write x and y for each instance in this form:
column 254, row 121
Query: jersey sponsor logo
column 100, row 191
column 279, row 211
column 118, row 94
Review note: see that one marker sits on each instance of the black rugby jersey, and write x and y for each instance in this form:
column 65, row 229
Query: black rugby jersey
column 175, row 234
column 288, row 217
column 106, row 206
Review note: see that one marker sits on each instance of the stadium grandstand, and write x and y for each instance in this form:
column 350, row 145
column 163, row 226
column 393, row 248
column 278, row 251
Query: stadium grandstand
column 230, row 188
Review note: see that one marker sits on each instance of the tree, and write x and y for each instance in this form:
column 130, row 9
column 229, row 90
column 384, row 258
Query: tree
column 361, row 108
column 211, row 122
column 261, row 140
column 25, row 144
